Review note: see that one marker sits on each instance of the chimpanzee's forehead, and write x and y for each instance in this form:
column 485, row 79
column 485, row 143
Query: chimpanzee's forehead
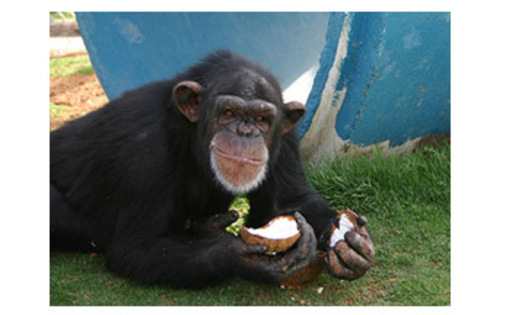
column 249, row 84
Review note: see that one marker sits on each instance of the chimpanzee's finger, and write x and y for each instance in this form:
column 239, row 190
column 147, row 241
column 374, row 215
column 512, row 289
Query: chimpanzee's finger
column 336, row 268
column 224, row 220
column 361, row 244
column 307, row 232
column 299, row 219
column 350, row 258
column 307, row 243
column 361, row 221
column 247, row 249
column 364, row 232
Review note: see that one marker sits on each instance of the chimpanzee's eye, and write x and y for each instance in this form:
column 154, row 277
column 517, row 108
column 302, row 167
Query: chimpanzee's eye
column 259, row 118
column 228, row 112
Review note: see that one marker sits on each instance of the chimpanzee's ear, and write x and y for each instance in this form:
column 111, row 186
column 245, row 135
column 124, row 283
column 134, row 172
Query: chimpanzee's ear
column 293, row 111
column 187, row 96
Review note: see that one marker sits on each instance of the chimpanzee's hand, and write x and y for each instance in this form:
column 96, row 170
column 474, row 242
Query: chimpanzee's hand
column 352, row 257
column 215, row 226
column 256, row 265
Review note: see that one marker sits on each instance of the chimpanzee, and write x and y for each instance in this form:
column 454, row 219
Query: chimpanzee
column 148, row 179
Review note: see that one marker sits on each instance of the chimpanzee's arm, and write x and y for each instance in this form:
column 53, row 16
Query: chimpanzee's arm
column 174, row 260
column 295, row 193
column 206, row 255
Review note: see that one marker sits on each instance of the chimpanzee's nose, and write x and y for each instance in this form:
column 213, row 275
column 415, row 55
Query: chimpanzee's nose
column 243, row 129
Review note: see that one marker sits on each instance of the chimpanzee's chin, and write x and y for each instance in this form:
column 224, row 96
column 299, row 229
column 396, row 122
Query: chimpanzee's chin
column 235, row 176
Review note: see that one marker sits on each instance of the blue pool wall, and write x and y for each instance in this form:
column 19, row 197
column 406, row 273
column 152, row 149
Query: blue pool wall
column 392, row 83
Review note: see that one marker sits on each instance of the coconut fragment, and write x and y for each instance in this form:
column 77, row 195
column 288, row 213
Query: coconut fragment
column 278, row 235
column 347, row 222
column 277, row 229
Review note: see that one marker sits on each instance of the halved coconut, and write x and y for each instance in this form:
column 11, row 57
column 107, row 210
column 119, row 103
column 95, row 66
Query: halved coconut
column 278, row 235
column 305, row 275
column 346, row 221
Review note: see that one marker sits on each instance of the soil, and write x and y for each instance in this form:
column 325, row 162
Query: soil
column 77, row 95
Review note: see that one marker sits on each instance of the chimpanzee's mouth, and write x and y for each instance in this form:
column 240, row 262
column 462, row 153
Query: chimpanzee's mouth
column 237, row 174
column 239, row 159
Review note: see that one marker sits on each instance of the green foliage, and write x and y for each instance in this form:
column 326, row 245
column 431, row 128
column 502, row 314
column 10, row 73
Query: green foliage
column 66, row 66
column 241, row 205
column 61, row 16
column 407, row 202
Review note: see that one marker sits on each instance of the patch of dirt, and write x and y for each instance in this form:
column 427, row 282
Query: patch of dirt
column 75, row 96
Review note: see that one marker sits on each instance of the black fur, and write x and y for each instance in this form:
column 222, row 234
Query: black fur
column 129, row 178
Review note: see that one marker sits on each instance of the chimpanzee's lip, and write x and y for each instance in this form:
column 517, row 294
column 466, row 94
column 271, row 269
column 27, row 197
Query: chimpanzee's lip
column 236, row 158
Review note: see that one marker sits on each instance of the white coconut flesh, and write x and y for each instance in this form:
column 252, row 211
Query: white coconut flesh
column 277, row 229
column 345, row 225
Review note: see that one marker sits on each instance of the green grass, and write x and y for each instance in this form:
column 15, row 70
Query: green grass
column 55, row 110
column 62, row 16
column 66, row 66
column 407, row 202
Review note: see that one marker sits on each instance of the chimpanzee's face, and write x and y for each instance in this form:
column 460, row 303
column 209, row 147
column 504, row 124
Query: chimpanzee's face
column 243, row 116
column 239, row 150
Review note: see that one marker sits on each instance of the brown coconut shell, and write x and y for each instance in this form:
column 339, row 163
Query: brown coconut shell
column 303, row 276
column 272, row 245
